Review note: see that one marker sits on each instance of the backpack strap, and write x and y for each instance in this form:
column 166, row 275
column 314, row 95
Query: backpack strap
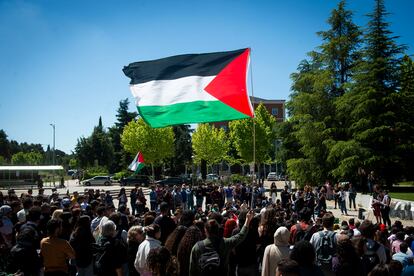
column 202, row 246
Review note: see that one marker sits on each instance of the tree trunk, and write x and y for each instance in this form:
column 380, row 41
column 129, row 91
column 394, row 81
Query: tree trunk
column 153, row 174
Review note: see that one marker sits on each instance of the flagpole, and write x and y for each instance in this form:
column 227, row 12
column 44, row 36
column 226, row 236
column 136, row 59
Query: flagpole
column 254, row 126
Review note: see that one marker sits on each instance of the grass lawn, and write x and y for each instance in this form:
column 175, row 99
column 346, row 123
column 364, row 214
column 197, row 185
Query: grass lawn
column 405, row 184
column 403, row 196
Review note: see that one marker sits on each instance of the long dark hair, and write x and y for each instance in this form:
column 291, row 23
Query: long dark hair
column 190, row 238
column 82, row 227
column 174, row 239
column 161, row 263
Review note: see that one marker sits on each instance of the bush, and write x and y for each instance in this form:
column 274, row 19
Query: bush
column 237, row 178
column 94, row 171
column 121, row 174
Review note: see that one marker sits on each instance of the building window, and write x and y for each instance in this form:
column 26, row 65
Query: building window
column 274, row 111
column 224, row 127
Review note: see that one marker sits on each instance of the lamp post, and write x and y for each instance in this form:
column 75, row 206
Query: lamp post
column 54, row 152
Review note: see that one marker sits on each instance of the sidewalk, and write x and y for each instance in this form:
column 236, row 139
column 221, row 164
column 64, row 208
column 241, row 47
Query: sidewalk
column 362, row 201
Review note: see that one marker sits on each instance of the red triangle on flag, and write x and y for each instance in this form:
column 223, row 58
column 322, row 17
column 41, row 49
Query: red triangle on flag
column 229, row 86
column 140, row 158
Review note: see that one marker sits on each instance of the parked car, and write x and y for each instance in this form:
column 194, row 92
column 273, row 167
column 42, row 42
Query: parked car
column 97, row 180
column 142, row 180
column 212, row 177
column 170, row 181
column 272, row 176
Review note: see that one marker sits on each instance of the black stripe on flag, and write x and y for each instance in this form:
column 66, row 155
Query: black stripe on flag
column 180, row 66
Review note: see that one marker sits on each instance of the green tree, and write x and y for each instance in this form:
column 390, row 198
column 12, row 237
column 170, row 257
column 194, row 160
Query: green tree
column 123, row 116
column 210, row 144
column 156, row 144
column 4, row 145
column 102, row 150
column 83, row 149
column 340, row 51
column 369, row 111
column 96, row 149
column 27, row 158
column 319, row 82
column 241, row 134
column 73, row 163
column 404, row 127
column 182, row 149
column 3, row 160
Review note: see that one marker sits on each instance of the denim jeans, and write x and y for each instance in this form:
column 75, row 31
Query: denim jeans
column 352, row 200
column 342, row 205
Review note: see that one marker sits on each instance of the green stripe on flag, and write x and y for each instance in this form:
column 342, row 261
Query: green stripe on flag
column 190, row 112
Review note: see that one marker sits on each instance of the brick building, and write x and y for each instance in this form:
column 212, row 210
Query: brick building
column 275, row 108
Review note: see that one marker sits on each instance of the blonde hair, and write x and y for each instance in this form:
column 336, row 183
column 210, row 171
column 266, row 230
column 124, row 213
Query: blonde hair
column 133, row 231
column 57, row 214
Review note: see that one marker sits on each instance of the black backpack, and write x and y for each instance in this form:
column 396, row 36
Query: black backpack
column 370, row 257
column 101, row 257
column 303, row 234
column 209, row 260
column 326, row 248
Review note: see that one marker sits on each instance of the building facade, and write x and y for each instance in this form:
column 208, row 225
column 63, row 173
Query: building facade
column 275, row 107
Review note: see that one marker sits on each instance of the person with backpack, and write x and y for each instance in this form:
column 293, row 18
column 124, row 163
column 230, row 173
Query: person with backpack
column 373, row 253
column 27, row 244
column 324, row 243
column 274, row 253
column 109, row 253
column 304, row 229
column 211, row 255
column 81, row 241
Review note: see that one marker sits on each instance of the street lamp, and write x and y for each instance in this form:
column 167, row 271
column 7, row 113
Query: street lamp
column 54, row 130
column 54, row 151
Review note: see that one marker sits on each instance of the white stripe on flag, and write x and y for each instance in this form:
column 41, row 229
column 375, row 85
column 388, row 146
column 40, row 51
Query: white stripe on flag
column 166, row 92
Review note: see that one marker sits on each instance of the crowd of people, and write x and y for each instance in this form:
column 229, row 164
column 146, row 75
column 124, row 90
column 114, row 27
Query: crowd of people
column 210, row 229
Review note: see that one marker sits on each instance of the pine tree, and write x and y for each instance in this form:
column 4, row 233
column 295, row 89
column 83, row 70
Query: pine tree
column 405, row 125
column 340, row 52
column 369, row 107
column 319, row 82
column 121, row 158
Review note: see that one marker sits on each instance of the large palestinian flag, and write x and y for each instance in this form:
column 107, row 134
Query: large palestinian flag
column 192, row 88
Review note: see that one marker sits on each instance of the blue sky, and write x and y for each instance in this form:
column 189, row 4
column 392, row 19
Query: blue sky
column 61, row 61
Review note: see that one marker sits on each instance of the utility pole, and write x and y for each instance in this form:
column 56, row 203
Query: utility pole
column 54, row 150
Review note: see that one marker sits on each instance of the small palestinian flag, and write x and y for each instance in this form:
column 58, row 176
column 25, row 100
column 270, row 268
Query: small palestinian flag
column 193, row 88
column 137, row 164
